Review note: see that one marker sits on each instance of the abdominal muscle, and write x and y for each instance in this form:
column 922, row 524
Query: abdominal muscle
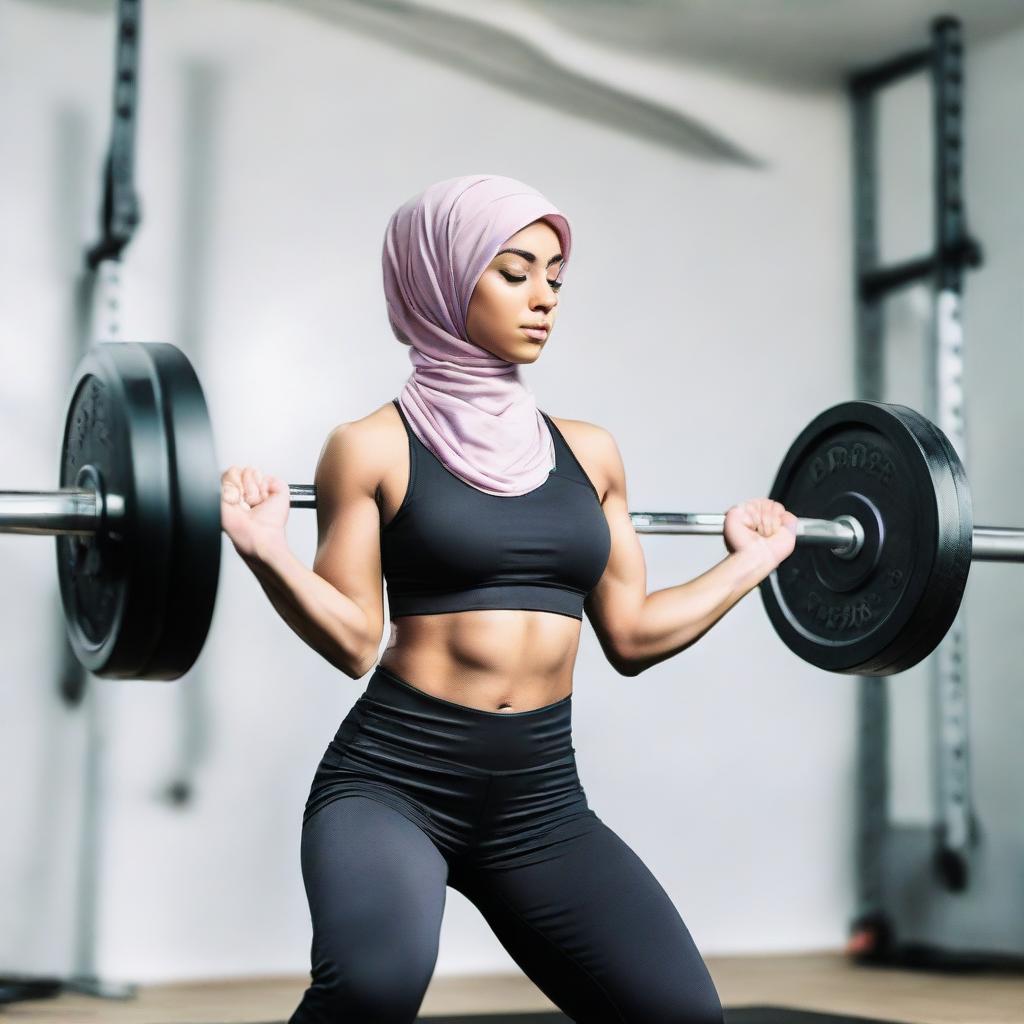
column 499, row 660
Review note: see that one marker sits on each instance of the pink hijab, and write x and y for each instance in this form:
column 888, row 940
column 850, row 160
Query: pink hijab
column 470, row 408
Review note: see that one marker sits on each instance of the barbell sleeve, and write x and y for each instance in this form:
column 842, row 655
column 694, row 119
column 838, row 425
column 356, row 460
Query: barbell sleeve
column 997, row 544
column 68, row 511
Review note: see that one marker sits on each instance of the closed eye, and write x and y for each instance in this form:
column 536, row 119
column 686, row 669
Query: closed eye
column 519, row 280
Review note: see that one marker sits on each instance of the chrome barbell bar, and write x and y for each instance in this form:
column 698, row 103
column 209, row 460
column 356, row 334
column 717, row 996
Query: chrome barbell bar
column 79, row 511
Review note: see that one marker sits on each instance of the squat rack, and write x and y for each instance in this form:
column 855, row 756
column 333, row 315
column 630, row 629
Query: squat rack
column 954, row 251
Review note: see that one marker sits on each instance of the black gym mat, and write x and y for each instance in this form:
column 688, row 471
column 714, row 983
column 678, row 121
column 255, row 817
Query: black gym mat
column 741, row 1015
column 780, row 1015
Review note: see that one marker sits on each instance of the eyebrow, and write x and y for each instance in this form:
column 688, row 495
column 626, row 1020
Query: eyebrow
column 528, row 256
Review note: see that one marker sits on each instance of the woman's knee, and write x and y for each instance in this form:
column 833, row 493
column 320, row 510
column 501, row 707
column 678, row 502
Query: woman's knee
column 706, row 1009
column 381, row 988
column 696, row 1002
column 368, row 981
column 376, row 887
column 676, row 1007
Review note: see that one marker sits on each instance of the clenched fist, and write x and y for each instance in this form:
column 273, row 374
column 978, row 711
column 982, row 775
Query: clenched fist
column 253, row 508
column 764, row 522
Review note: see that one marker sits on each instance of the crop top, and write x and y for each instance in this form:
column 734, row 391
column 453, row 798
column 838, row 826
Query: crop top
column 453, row 547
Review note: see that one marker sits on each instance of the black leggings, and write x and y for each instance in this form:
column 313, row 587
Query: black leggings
column 415, row 793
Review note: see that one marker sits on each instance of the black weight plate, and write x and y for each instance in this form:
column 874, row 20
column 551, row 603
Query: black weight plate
column 899, row 476
column 138, row 596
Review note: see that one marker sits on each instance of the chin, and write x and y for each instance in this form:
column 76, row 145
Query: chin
column 529, row 357
column 517, row 352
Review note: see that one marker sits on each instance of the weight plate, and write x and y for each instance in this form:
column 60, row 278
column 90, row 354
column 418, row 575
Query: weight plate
column 898, row 475
column 138, row 595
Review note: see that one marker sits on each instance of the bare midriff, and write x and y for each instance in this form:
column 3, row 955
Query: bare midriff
column 492, row 660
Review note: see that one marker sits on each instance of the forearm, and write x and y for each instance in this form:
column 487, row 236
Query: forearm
column 670, row 620
column 331, row 623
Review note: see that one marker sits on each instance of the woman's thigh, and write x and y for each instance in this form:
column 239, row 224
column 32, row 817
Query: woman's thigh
column 593, row 928
column 376, row 889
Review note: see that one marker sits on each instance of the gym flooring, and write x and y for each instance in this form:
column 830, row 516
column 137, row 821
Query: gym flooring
column 825, row 983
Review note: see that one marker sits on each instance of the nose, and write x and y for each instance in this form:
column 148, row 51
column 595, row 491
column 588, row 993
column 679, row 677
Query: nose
column 543, row 297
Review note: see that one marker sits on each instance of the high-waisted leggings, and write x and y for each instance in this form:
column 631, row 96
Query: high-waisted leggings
column 416, row 793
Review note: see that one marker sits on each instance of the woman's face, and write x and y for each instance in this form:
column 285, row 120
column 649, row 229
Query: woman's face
column 517, row 290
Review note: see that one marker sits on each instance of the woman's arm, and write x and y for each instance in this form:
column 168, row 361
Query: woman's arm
column 637, row 630
column 337, row 606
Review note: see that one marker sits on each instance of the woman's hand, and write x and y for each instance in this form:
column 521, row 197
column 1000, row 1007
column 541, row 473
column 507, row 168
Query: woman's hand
column 253, row 508
column 763, row 522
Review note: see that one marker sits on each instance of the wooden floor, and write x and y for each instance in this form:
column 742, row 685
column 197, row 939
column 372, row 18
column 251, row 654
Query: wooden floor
column 824, row 982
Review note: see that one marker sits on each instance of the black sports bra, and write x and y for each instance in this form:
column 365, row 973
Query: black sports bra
column 452, row 547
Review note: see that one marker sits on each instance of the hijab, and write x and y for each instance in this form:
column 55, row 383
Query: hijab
column 469, row 407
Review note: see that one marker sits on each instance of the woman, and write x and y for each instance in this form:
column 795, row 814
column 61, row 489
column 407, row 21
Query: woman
column 495, row 526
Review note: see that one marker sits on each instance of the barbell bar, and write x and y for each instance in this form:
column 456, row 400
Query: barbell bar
column 75, row 511
column 81, row 512
column 885, row 531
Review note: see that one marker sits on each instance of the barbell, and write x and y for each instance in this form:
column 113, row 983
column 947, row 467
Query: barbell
column 885, row 533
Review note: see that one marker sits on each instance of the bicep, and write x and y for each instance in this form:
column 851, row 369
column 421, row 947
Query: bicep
column 613, row 606
column 348, row 525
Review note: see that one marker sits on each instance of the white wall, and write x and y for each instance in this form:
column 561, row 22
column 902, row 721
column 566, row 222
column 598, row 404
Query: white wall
column 729, row 769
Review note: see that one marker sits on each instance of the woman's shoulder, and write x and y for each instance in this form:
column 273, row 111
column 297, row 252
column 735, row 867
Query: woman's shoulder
column 365, row 447
column 594, row 448
column 582, row 432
